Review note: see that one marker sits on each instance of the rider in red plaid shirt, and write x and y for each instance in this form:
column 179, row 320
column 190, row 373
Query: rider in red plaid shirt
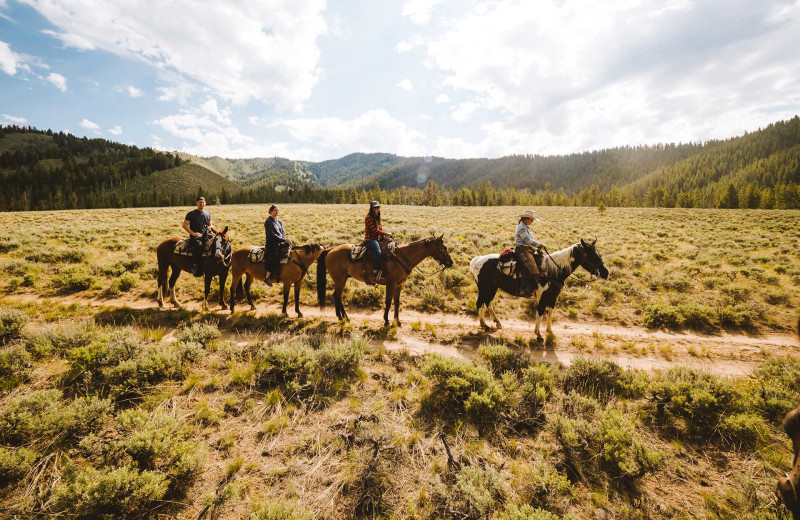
column 373, row 232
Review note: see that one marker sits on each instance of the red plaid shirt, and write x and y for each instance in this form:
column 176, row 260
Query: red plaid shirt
column 372, row 229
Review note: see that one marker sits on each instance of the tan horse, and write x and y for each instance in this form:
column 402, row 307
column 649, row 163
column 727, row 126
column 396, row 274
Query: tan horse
column 214, row 265
column 395, row 271
column 292, row 273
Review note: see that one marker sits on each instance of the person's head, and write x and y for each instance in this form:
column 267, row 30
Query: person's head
column 375, row 208
column 527, row 217
column 201, row 203
column 273, row 211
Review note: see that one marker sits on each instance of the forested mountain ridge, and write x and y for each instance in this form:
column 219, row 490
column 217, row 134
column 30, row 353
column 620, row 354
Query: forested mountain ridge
column 47, row 170
column 760, row 169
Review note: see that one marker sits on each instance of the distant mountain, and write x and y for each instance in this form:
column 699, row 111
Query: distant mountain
column 42, row 170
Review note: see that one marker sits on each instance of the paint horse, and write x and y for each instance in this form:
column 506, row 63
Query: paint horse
column 292, row 273
column 556, row 268
column 337, row 262
column 215, row 261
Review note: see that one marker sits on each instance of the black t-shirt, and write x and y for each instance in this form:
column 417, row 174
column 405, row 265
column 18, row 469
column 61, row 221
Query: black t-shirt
column 198, row 220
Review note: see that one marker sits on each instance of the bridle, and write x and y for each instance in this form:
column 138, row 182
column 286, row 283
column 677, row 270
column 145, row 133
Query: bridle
column 227, row 253
column 441, row 263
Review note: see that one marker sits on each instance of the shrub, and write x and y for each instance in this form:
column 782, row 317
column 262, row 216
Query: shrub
column 741, row 315
column 602, row 379
column 15, row 364
column 698, row 317
column 473, row 493
column 662, row 315
column 15, row 463
column 528, row 393
column 11, row 324
column 126, row 282
column 779, row 379
column 543, row 484
column 59, row 339
column 340, row 360
column 73, row 279
column 203, row 333
column 66, row 256
column 743, row 430
column 288, row 365
column 279, row 510
column 463, row 389
column 114, row 493
column 366, row 297
column 500, row 358
column 526, row 512
column 697, row 398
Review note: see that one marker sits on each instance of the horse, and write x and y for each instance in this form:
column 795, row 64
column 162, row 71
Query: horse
column 556, row 268
column 213, row 265
column 292, row 273
column 396, row 270
column 788, row 484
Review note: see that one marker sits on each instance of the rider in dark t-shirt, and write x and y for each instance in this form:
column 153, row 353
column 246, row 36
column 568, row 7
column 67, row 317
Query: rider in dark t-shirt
column 196, row 223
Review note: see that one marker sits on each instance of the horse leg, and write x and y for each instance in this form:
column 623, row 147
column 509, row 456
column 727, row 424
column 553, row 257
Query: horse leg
column 397, row 304
column 539, row 338
column 286, row 286
column 297, row 286
column 549, row 317
column 223, row 277
column 176, row 272
column 248, row 281
column 494, row 316
column 389, row 294
column 206, row 289
column 234, row 282
column 337, row 298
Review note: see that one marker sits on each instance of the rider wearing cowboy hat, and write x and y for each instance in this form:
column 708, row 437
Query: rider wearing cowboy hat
column 524, row 247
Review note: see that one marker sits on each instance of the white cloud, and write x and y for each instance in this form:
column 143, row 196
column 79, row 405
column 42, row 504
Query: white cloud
column 405, row 84
column 58, row 81
column 8, row 59
column 373, row 131
column 7, row 119
column 442, row 98
column 561, row 76
column 419, row 11
column 240, row 51
column 133, row 91
column 406, row 45
column 117, row 130
column 85, row 123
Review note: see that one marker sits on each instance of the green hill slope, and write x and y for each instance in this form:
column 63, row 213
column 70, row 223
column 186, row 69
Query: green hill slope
column 182, row 183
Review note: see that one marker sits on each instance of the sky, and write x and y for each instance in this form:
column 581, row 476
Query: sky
column 317, row 80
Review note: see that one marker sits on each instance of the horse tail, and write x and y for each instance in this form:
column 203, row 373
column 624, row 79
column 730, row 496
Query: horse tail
column 322, row 278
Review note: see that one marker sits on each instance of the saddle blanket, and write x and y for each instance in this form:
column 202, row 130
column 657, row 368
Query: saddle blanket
column 256, row 256
column 183, row 247
column 509, row 268
column 357, row 252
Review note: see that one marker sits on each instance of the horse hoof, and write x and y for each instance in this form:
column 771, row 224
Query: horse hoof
column 252, row 307
column 299, row 314
column 498, row 325
column 160, row 305
column 539, row 339
column 223, row 307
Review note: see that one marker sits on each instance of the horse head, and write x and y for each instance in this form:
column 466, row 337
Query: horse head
column 222, row 247
column 592, row 261
column 440, row 252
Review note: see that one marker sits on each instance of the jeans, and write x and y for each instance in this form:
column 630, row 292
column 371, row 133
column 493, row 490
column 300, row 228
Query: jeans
column 198, row 249
column 375, row 248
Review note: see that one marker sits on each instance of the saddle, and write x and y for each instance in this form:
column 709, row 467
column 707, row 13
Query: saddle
column 256, row 254
column 508, row 260
column 184, row 247
column 388, row 247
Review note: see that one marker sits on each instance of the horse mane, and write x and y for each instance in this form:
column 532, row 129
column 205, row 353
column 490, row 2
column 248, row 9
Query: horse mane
column 560, row 261
column 309, row 248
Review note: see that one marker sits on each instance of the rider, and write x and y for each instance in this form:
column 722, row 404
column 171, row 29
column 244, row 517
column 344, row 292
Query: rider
column 276, row 236
column 524, row 247
column 196, row 223
column 373, row 233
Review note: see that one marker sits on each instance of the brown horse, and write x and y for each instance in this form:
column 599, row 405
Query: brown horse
column 395, row 271
column 789, row 484
column 213, row 265
column 292, row 273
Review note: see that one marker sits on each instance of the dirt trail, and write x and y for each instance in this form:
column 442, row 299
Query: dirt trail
column 633, row 347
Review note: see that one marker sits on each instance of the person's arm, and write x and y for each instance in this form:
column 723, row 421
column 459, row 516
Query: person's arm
column 186, row 227
column 526, row 237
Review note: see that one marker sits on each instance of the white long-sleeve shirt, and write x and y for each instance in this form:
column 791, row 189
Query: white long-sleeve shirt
column 524, row 237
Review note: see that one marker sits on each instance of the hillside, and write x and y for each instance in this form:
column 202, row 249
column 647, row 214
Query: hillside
column 179, row 183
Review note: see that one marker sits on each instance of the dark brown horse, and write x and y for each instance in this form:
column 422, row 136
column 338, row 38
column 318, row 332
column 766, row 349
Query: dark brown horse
column 789, row 484
column 292, row 273
column 395, row 272
column 216, row 264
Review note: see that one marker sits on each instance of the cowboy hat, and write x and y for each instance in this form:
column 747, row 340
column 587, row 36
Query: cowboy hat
column 529, row 213
column 374, row 204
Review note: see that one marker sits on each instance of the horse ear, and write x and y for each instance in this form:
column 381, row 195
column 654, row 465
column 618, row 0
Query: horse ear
column 594, row 241
column 441, row 237
column 583, row 242
column 225, row 231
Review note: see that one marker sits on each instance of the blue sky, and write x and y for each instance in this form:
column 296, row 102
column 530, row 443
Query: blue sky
column 315, row 80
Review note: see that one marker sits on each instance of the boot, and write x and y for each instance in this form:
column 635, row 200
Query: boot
column 197, row 271
column 267, row 280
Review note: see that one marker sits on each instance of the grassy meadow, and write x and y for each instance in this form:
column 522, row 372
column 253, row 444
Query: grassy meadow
column 704, row 270
column 126, row 411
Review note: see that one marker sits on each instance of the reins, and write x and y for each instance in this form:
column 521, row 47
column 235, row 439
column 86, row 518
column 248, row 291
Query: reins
column 592, row 278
